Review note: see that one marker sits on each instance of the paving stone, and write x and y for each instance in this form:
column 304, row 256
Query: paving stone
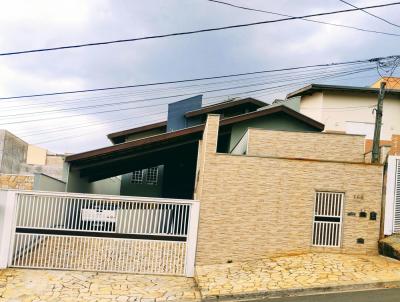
column 22, row 285
column 301, row 271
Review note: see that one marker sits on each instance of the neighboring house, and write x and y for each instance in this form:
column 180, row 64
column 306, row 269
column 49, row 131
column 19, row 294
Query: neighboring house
column 170, row 172
column 25, row 166
column 391, row 83
column 258, row 183
column 348, row 109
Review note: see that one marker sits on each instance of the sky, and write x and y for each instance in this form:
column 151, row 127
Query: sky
column 77, row 122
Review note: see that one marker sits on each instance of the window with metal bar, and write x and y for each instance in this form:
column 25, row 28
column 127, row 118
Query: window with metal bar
column 137, row 177
column 152, row 176
column 146, row 176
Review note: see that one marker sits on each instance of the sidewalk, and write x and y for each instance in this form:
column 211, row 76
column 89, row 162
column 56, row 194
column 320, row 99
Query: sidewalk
column 293, row 275
column 269, row 277
column 23, row 285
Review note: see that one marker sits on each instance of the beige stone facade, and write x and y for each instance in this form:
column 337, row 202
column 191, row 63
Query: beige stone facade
column 20, row 182
column 253, row 206
column 306, row 145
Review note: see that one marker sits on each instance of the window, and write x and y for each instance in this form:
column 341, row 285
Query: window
column 327, row 225
column 152, row 176
column 146, row 176
column 137, row 177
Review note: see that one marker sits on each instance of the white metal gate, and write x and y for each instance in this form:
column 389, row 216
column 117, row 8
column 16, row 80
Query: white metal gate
column 327, row 224
column 392, row 206
column 104, row 233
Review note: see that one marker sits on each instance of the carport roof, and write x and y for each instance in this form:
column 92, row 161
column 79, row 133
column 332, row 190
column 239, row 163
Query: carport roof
column 169, row 139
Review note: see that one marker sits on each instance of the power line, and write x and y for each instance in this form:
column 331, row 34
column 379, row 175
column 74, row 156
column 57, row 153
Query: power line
column 130, row 108
column 210, row 103
column 167, row 97
column 194, row 79
column 74, row 136
column 338, row 109
column 371, row 14
column 286, row 76
column 55, row 130
column 199, row 31
column 104, row 98
column 303, row 19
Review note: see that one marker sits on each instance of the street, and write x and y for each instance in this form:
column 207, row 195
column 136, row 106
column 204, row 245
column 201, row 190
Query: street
column 382, row 295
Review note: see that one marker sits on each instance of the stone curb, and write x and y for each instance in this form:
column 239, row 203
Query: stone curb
column 251, row 296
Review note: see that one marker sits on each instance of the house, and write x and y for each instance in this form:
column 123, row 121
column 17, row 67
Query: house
column 350, row 109
column 167, row 169
column 26, row 166
column 275, row 192
column 262, row 181
column 268, row 180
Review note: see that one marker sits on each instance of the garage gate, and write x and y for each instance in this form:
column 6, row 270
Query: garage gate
column 103, row 233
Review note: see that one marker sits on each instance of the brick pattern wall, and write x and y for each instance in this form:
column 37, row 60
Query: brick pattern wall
column 324, row 146
column 253, row 206
column 20, row 182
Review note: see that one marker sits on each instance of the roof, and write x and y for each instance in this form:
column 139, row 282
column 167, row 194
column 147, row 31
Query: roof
column 188, row 134
column 113, row 135
column 391, row 83
column 225, row 105
column 320, row 87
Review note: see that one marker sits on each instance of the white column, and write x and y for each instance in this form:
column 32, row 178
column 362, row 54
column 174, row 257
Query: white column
column 7, row 225
column 390, row 195
column 191, row 241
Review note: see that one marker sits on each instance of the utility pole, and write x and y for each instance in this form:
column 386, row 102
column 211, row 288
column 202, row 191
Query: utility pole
column 378, row 123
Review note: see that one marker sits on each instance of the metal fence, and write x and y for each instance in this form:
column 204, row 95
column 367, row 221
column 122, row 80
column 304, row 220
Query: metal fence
column 104, row 233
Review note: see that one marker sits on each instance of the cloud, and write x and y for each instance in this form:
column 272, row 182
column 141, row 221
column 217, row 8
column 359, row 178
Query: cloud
column 27, row 25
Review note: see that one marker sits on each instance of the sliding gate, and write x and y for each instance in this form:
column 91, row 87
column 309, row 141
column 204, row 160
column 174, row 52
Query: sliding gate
column 104, row 233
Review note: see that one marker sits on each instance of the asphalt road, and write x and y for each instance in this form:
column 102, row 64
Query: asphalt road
column 382, row 295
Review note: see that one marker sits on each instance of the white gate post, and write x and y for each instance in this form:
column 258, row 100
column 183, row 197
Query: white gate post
column 191, row 241
column 390, row 202
column 7, row 219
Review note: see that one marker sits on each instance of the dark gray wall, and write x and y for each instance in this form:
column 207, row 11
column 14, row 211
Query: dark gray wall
column 130, row 189
column 279, row 121
column 108, row 186
column 43, row 182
